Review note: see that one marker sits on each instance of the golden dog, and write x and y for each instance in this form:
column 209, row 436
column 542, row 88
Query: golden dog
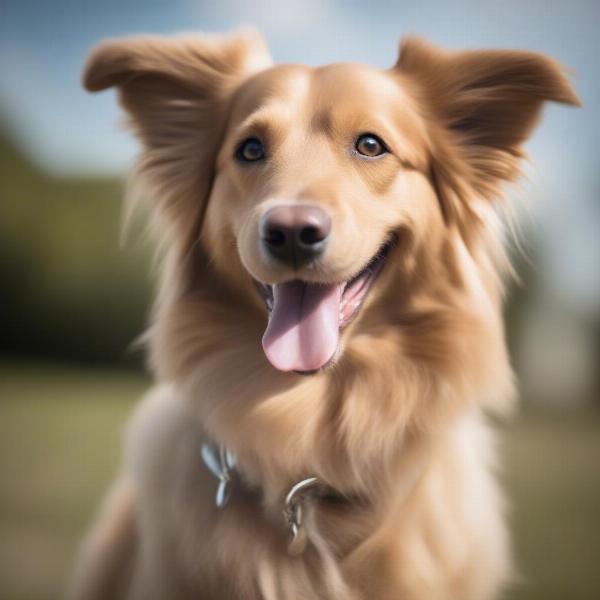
column 342, row 215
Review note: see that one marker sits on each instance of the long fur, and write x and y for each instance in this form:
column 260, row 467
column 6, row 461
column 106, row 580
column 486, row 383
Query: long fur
column 398, row 420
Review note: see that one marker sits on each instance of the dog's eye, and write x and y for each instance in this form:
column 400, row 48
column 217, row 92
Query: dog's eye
column 370, row 145
column 250, row 150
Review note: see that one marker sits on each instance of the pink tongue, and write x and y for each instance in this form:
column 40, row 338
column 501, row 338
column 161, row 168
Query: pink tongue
column 302, row 334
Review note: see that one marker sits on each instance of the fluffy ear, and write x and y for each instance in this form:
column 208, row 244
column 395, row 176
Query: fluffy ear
column 481, row 107
column 176, row 93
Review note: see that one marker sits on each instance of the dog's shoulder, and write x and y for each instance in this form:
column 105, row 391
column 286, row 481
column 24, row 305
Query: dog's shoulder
column 160, row 432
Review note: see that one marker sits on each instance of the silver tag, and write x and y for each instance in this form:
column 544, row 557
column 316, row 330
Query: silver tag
column 223, row 493
column 220, row 463
column 212, row 460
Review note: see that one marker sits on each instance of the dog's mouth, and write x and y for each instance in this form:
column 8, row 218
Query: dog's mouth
column 305, row 318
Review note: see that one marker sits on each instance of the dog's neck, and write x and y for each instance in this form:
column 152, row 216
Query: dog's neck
column 223, row 465
column 293, row 512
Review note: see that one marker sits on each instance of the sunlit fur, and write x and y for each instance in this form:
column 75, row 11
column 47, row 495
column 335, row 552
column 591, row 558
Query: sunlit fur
column 397, row 420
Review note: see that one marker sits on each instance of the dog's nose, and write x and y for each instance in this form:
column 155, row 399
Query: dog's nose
column 295, row 234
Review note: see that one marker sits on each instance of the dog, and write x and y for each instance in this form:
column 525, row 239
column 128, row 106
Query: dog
column 328, row 333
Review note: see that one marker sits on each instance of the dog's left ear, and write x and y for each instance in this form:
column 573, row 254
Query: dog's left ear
column 481, row 106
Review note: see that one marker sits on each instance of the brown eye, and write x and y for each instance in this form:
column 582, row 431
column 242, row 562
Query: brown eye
column 370, row 145
column 250, row 150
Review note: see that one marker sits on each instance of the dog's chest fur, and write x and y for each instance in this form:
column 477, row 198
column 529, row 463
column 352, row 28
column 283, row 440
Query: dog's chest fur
column 419, row 543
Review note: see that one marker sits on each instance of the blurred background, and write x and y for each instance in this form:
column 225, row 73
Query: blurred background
column 72, row 300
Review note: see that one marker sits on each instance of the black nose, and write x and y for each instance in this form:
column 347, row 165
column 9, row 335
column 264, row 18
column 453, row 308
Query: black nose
column 295, row 234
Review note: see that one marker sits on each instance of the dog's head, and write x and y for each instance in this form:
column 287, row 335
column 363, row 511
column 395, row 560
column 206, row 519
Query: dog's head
column 316, row 191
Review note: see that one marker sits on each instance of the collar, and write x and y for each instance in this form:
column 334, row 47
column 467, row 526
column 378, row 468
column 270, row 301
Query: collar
column 222, row 464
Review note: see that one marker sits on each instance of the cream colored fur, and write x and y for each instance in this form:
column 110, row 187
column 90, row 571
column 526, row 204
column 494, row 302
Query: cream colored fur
column 398, row 419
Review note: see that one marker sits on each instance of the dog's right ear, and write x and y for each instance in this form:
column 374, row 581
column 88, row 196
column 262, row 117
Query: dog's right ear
column 176, row 92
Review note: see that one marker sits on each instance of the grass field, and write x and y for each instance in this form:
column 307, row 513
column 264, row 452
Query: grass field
column 60, row 441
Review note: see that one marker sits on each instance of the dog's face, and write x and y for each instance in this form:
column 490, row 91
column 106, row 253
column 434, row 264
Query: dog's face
column 314, row 191
column 319, row 173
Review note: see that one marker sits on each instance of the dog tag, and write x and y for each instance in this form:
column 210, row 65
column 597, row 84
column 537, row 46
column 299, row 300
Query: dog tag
column 223, row 493
column 211, row 458
column 220, row 463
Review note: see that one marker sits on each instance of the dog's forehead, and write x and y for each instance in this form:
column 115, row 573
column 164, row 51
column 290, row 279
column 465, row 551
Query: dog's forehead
column 278, row 83
column 333, row 90
column 343, row 83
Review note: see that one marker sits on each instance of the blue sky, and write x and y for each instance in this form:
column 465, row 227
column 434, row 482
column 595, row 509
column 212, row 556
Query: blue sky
column 43, row 46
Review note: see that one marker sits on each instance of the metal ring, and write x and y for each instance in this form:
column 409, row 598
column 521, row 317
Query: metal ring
column 300, row 487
